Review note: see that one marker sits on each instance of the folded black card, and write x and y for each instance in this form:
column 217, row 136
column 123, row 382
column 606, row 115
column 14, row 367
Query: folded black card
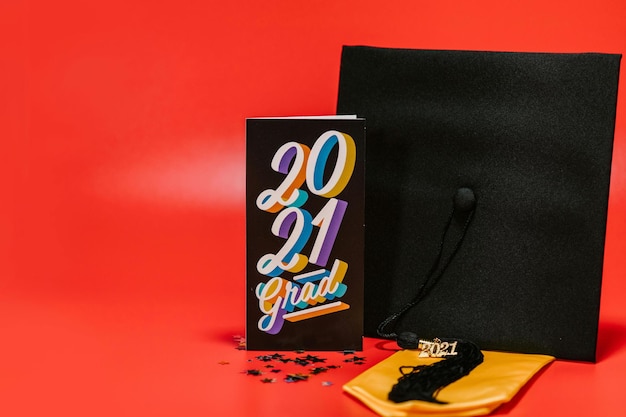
column 304, row 233
column 530, row 135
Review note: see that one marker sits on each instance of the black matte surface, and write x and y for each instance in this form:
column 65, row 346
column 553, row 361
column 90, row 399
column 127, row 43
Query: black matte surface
column 532, row 136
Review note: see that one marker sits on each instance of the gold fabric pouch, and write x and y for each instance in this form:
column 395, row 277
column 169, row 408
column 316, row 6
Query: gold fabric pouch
column 490, row 384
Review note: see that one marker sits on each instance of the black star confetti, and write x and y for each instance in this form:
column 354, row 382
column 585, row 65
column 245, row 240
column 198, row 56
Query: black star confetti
column 301, row 361
column 315, row 359
column 357, row 360
column 268, row 380
column 296, row 378
column 318, row 370
column 254, row 372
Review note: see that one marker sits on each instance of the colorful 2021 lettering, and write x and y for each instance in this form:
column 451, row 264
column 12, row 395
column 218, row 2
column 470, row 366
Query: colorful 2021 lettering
column 314, row 293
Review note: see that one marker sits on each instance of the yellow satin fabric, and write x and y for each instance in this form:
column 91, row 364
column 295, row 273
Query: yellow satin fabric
column 490, row 384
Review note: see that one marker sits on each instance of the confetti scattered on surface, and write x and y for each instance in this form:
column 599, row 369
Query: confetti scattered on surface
column 311, row 362
column 223, row 362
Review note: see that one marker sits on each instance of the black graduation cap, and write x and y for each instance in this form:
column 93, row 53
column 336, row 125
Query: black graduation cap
column 487, row 181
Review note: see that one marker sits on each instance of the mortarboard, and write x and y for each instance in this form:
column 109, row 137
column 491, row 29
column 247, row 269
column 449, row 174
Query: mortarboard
column 487, row 180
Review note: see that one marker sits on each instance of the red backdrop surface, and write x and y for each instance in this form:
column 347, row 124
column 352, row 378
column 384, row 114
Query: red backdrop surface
column 122, row 182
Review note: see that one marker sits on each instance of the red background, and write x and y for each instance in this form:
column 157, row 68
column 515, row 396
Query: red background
column 122, row 192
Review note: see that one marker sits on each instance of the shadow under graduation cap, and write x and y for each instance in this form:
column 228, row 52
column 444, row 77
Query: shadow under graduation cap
column 531, row 135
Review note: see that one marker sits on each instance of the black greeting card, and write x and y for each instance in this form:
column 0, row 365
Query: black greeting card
column 304, row 233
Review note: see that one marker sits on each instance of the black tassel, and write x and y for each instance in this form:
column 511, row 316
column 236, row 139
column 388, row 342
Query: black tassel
column 424, row 382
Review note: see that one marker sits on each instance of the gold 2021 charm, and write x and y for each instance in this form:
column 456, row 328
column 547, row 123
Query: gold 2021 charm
column 436, row 348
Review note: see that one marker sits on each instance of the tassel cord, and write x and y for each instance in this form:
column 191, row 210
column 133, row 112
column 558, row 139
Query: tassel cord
column 425, row 288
